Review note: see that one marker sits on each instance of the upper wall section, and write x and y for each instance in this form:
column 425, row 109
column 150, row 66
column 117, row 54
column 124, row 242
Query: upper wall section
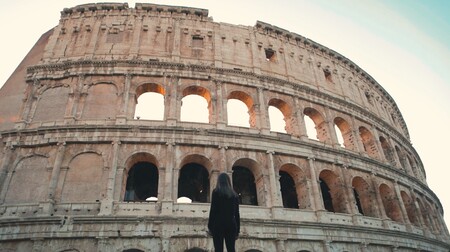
column 182, row 35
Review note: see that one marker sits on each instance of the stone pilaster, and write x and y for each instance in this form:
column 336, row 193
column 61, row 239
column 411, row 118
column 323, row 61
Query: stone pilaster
column 56, row 170
column 107, row 202
column 274, row 182
column 317, row 196
column 262, row 113
column 6, row 162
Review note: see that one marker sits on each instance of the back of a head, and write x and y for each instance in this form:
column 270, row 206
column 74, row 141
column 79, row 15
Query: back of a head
column 224, row 185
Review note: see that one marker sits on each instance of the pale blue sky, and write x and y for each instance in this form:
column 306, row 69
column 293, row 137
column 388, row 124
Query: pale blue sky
column 403, row 44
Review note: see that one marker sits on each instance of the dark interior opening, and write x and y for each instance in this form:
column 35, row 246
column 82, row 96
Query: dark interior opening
column 244, row 185
column 326, row 196
column 288, row 190
column 142, row 182
column 193, row 183
column 270, row 54
column 358, row 202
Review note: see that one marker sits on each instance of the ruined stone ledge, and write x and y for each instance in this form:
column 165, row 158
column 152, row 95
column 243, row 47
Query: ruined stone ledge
column 175, row 227
column 139, row 9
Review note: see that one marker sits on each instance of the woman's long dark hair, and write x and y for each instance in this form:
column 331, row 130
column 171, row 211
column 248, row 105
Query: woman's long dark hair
column 224, row 186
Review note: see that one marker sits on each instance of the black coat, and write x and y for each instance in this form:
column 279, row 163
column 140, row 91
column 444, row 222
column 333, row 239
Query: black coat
column 224, row 214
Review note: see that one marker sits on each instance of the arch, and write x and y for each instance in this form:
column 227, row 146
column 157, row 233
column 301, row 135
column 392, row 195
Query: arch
column 390, row 203
column 194, row 109
column 288, row 190
column 332, row 193
column 319, row 122
column 286, row 113
column 410, row 208
column 142, row 182
column 84, row 178
column 244, row 185
column 52, row 104
column 199, row 159
column 149, row 95
column 429, row 215
column 401, row 157
column 300, row 183
column 248, row 182
column 413, row 167
column 368, row 142
column 387, row 150
column 140, row 157
column 29, row 181
column 193, row 182
column 235, row 101
column 364, row 197
column 101, row 101
column 425, row 214
column 346, row 133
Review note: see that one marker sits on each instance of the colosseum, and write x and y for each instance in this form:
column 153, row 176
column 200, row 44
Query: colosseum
column 81, row 170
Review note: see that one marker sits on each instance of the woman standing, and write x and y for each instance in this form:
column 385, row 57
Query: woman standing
column 224, row 219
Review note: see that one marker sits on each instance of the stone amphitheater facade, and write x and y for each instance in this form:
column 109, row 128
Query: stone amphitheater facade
column 77, row 167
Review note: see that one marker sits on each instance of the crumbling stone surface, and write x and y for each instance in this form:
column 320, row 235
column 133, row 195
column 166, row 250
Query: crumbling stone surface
column 80, row 172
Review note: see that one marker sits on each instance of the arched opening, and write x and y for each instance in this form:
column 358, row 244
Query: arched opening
column 194, row 109
column 326, row 196
column 196, row 105
column 390, row 203
column 237, row 113
column 142, row 182
column 340, row 139
column 410, row 208
column 150, row 106
column 244, row 185
column 193, row 182
column 368, row 142
column 320, row 126
column 288, row 190
column 280, row 115
column 401, row 157
column 413, row 167
column 364, row 197
column 240, row 110
column 149, row 102
column 310, row 128
column 344, row 133
column 387, row 150
column 358, row 201
column 276, row 120
column 300, row 184
column 425, row 214
column 332, row 192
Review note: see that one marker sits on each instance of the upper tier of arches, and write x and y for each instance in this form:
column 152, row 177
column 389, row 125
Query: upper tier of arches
column 215, row 102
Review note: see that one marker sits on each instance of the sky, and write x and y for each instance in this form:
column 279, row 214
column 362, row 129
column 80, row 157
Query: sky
column 403, row 44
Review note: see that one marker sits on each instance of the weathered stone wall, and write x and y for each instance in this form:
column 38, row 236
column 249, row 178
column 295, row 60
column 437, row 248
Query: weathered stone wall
column 69, row 150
